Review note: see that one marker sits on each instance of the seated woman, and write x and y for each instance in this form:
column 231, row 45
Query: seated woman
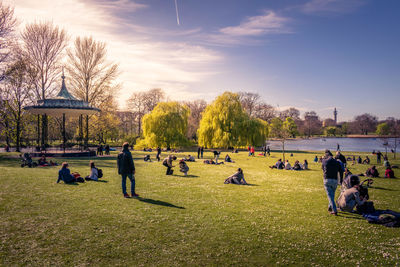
column 350, row 198
column 386, row 163
column 305, row 165
column 147, row 158
column 189, row 158
column 228, row 159
column 94, row 174
column 183, row 167
column 236, row 178
column 359, row 160
column 372, row 172
column 287, row 165
column 297, row 166
column 389, row 173
column 366, row 160
column 64, row 174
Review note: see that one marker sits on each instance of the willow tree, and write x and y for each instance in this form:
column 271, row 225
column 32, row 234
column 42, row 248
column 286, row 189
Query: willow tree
column 91, row 76
column 223, row 122
column 255, row 132
column 166, row 125
column 43, row 44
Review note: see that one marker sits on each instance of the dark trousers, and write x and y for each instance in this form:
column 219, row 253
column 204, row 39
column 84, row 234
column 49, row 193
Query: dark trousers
column 132, row 179
column 169, row 169
column 158, row 157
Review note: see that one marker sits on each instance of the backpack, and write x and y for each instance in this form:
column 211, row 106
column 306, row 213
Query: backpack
column 99, row 173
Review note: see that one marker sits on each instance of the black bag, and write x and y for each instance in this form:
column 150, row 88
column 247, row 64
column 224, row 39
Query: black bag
column 99, row 173
column 367, row 207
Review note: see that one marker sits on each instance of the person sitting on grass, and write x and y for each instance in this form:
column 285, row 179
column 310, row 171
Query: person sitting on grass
column 287, row 165
column 183, row 167
column 42, row 161
column 168, row 163
column 228, row 158
column 350, row 198
column 305, row 165
column 386, row 162
column 64, row 174
column 316, row 159
column 366, row 160
column 359, row 160
column 389, row 173
column 212, row 162
column 189, row 158
column 147, row 158
column 297, row 166
column 94, row 173
column 372, row 172
column 278, row 165
column 236, row 178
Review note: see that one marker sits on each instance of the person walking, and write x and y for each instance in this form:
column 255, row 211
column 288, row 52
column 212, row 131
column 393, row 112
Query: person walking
column 330, row 169
column 198, row 152
column 158, row 154
column 126, row 168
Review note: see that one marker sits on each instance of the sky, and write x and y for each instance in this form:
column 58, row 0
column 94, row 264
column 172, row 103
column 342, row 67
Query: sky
column 308, row 54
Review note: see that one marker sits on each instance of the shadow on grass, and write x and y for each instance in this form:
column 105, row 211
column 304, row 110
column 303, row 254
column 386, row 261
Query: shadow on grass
column 187, row 176
column 75, row 183
column 382, row 188
column 349, row 215
column 158, row 202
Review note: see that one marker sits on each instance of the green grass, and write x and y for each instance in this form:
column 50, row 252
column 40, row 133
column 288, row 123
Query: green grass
column 281, row 220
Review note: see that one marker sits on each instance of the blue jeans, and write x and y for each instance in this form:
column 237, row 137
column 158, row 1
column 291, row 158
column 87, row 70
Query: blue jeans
column 132, row 178
column 330, row 188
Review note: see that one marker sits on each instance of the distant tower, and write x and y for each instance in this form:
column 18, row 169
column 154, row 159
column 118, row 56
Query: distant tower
column 335, row 115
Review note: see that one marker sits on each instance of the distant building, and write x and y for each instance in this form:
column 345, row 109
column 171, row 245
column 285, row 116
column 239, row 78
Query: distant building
column 328, row 122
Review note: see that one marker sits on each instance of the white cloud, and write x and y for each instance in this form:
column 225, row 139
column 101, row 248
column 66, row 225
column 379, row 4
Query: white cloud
column 331, row 6
column 145, row 62
column 267, row 23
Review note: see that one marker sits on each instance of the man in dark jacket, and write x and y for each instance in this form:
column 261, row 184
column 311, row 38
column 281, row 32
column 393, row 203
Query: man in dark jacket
column 330, row 168
column 126, row 168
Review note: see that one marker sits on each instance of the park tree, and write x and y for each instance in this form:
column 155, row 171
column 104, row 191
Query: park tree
column 105, row 126
column 293, row 113
column 92, row 76
column 255, row 132
column 142, row 103
column 223, row 122
column 383, row 130
column 312, row 123
column 7, row 27
column 15, row 94
column 166, row 125
column 365, row 123
column 196, row 108
column 394, row 130
column 43, row 44
column 249, row 101
column 330, row 131
column 281, row 130
column 264, row 112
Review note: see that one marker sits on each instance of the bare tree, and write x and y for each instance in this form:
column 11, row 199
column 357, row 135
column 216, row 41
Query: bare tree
column 294, row 113
column 312, row 123
column 43, row 44
column 249, row 101
column 141, row 103
column 265, row 112
column 15, row 94
column 7, row 26
column 365, row 123
column 196, row 108
column 92, row 77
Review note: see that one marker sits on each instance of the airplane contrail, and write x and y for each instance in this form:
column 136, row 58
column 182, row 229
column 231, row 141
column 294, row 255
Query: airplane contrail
column 177, row 13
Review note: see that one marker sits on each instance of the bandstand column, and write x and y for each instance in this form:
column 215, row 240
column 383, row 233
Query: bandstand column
column 63, row 131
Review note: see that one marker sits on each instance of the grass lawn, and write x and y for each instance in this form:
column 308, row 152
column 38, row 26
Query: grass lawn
column 281, row 219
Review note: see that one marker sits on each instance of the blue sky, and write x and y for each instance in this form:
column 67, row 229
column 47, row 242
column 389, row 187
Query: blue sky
column 310, row 54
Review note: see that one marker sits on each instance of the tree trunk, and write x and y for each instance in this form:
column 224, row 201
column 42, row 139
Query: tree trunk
column 87, row 133
column 283, row 149
column 38, row 130
column 18, row 133
column 44, row 130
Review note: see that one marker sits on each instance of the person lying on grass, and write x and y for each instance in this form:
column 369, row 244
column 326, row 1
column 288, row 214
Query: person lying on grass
column 236, row 178
column 64, row 174
column 350, row 198
column 183, row 167
column 189, row 158
column 212, row 162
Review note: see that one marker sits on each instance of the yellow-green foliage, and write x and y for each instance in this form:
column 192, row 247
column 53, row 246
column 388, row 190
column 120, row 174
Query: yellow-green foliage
column 166, row 125
column 225, row 124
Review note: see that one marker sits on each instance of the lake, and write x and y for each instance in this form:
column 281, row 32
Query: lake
column 346, row 144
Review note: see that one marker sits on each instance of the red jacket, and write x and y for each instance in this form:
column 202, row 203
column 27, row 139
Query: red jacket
column 389, row 173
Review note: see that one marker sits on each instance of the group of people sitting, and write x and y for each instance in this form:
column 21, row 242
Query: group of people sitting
column 27, row 160
column 280, row 165
column 65, row 175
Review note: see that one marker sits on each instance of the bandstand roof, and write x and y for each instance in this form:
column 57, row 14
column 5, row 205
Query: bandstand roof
column 63, row 103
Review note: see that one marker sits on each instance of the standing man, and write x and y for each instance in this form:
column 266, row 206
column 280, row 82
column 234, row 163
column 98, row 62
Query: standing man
column 268, row 151
column 158, row 153
column 330, row 169
column 201, row 151
column 378, row 157
column 126, row 168
column 198, row 152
